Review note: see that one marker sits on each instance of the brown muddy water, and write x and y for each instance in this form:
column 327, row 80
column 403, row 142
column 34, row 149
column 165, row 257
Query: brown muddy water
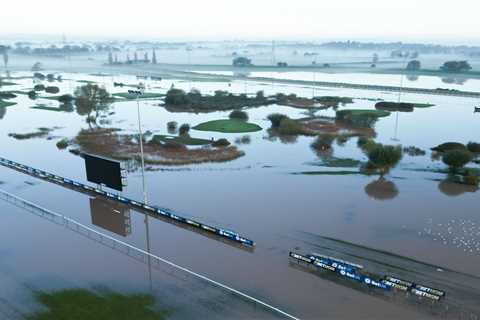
column 257, row 195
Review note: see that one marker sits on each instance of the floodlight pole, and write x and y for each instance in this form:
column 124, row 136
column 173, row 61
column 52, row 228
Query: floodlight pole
column 138, row 93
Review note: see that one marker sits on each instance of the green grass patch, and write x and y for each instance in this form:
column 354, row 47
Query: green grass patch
column 80, row 304
column 6, row 83
column 4, row 104
column 47, row 108
column 51, row 97
column 228, row 126
column 20, row 92
column 86, row 81
column 422, row 105
column 145, row 95
column 40, row 133
column 183, row 139
column 332, row 162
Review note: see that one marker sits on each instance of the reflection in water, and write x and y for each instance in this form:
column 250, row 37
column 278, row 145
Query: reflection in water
column 457, row 81
column 243, row 140
column 67, row 107
column 322, row 146
column 241, row 74
column 412, row 77
column 453, row 189
column 274, row 135
column 381, row 189
column 110, row 216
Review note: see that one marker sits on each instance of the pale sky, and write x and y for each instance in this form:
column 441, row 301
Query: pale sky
column 406, row 20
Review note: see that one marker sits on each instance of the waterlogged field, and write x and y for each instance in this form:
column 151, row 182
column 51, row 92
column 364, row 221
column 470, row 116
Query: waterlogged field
column 281, row 192
column 413, row 81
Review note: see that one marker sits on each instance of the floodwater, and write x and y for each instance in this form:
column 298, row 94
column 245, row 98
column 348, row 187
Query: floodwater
column 256, row 195
column 397, row 80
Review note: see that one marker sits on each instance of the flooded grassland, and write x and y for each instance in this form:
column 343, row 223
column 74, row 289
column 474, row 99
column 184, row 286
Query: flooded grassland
column 288, row 183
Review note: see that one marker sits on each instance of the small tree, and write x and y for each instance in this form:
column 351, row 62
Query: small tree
column 172, row 126
column 384, row 157
column 260, row 95
column 184, row 129
column 456, row 66
column 456, row 159
column 239, row 115
column 290, row 127
column 37, row 66
column 414, row 65
column 176, row 97
column 90, row 98
column 276, row 118
column 473, row 147
column 66, row 99
column 52, row 90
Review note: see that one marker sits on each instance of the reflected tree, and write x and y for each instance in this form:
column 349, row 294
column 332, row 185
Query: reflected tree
column 322, row 145
column 381, row 189
column 454, row 189
column 273, row 135
column 3, row 111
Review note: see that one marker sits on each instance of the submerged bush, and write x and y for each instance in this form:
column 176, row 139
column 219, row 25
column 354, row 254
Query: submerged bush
column 174, row 145
column 239, row 115
column 323, row 143
column 384, row 157
column 184, row 129
column 471, row 178
column 39, row 87
column 172, row 126
column 32, row 94
column 473, row 147
column 66, row 99
column 52, row 90
column 456, row 159
column 221, row 143
column 448, row 146
column 366, row 144
column 62, row 144
column 7, row 95
column 290, row 127
column 176, row 97
column 276, row 118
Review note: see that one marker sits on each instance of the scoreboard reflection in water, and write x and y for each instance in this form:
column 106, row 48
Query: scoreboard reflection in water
column 103, row 171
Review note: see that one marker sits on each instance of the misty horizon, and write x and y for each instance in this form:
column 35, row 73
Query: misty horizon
column 267, row 20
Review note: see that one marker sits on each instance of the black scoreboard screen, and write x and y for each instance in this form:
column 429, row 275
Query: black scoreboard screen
column 103, row 171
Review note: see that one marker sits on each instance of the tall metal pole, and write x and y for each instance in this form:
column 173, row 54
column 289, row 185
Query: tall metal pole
column 141, row 151
column 147, row 229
